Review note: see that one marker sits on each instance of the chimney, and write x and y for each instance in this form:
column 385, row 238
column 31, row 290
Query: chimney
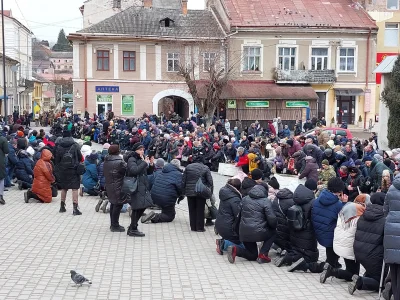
column 148, row 3
column 184, row 7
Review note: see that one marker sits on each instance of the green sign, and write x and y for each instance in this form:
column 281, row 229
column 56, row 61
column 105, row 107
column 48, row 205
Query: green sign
column 293, row 104
column 231, row 103
column 257, row 104
column 104, row 98
column 128, row 105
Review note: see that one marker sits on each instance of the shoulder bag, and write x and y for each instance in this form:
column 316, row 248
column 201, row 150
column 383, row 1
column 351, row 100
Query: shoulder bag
column 129, row 185
column 201, row 189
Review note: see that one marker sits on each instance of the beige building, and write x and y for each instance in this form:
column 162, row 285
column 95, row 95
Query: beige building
column 129, row 62
column 313, row 59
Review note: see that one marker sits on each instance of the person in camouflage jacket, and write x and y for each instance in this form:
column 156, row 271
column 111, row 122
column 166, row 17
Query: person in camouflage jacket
column 327, row 172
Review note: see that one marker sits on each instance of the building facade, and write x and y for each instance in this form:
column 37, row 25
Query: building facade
column 293, row 50
column 62, row 62
column 130, row 63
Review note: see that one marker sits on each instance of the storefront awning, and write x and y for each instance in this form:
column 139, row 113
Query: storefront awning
column 349, row 92
column 236, row 89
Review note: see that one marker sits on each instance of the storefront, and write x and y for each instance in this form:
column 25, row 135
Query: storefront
column 346, row 105
column 104, row 104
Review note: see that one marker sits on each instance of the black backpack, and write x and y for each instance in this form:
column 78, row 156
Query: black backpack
column 296, row 218
column 67, row 160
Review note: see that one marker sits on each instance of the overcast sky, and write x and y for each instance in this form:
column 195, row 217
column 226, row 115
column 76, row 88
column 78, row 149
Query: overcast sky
column 46, row 17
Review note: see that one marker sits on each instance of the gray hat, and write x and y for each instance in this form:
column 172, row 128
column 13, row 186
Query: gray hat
column 176, row 163
column 160, row 163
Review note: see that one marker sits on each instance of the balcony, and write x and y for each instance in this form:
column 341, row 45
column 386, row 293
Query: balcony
column 305, row 76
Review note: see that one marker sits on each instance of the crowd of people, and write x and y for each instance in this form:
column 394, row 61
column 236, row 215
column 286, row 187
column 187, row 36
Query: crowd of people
column 347, row 204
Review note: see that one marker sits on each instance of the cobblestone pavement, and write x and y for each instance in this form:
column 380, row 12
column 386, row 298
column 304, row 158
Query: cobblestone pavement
column 39, row 246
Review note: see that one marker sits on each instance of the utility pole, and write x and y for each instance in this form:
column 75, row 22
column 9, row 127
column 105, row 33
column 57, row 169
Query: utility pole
column 4, row 63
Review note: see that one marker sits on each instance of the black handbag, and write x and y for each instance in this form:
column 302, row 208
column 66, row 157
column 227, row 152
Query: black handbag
column 80, row 169
column 130, row 185
column 202, row 190
column 213, row 211
column 54, row 190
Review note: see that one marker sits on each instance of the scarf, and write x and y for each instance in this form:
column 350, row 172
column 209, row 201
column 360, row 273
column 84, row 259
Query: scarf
column 351, row 210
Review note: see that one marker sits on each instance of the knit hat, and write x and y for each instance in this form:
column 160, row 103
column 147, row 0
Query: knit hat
column 378, row 158
column 353, row 169
column 290, row 142
column 30, row 151
column 113, row 149
column 311, row 184
column 367, row 158
column 160, row 163
column 358, row 162
column 216, row 146
column 378, row 198
column 137, row 146
column 92, row 156
column 328, row 152
column 20, row 133
column 325, row 162
column 274, row 183
column 106, row 146
column 176, row 163
column 256, row 174
column 331, row 143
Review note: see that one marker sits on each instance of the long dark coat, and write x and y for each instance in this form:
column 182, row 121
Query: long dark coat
column 283, row 201
column 114, row 173
column 3, row 152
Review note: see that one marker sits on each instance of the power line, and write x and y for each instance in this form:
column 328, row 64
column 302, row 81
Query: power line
column 22, row 14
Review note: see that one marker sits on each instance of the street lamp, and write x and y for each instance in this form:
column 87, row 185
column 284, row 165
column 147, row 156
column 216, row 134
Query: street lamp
column 4, row 62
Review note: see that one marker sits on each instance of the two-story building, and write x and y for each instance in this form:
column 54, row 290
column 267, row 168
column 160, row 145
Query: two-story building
column 62, row 61
column 299, row 59
column 11, row 84
column 129, row 63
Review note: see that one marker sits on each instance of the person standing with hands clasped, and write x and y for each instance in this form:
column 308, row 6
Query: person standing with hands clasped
column 141, row 199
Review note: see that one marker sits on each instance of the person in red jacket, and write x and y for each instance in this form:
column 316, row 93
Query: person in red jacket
column 242, row 160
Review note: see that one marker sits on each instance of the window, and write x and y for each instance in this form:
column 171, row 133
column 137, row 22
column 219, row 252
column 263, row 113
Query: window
column 208, row 60
column 173, row 62
column 129, row 60
column 66, row 60
column 103, row 60
column 319, row 58
column 287, row 58
column 70, row 67
column 391, row 35
column 117, row 4
column 347, row 59
column 392, row 4
column 251, row 58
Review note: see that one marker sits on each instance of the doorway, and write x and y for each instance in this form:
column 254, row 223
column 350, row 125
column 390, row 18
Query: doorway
column 345, row 111
column 321, row 104
column 175, row 104
column 103, row 108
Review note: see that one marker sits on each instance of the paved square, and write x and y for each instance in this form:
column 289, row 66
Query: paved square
column 39, row 246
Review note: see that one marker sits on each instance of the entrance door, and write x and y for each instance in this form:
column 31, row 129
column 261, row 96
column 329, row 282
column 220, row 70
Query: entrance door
column 346, row 107
column 321, row 104
column 104, row 108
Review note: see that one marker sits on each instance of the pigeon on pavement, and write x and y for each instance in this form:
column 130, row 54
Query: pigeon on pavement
column 78, row 278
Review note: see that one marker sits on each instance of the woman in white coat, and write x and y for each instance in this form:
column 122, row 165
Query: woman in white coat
column 343, row 240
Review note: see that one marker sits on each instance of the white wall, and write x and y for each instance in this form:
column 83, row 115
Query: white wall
column 383, row 118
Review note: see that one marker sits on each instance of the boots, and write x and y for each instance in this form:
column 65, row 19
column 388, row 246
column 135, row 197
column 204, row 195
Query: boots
column 62, row 207
column 76, row 211
column 2, row 200
column 220, row 246
column 328, row 272
column 263, row 258
column 135, row 232
column 299, row 265
column 354, row 284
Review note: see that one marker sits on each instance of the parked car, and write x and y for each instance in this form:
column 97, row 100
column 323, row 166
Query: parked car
column 331, row 130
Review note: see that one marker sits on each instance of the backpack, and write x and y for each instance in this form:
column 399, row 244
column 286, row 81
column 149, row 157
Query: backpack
column 67, row 160
column 296, row 218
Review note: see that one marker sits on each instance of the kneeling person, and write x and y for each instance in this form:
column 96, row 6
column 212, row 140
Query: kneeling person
column 167, row 188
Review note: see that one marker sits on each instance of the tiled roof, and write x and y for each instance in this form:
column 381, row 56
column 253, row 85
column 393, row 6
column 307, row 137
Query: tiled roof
column 171, row 4
column 236, row 89
column 62, row 55
column 295, row 13
column 140, row 21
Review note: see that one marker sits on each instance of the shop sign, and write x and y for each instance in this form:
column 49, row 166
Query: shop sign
column 231, row 103
column 127, row 105
column 293, row 104
column 107, row 89
column 104, row 98
column 257, row 104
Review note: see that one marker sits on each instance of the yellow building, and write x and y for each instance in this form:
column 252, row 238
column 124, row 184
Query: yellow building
column 37, row 96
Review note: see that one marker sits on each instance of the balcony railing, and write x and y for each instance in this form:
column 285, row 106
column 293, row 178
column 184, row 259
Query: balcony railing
column 305, row 76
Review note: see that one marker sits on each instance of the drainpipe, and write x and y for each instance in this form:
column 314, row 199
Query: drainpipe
column 367, row 74
column 85, row 74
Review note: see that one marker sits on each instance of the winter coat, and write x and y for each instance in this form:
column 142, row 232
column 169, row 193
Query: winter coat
column 252, row 161
column 67, row 178
column 324, row 217
column 137, row 167
column 325, row 175
column 331, row 159
column 24, row 167
column 392, row 234
column 3, row 151
column 304, row 241
column 284, row 200
column 351, row 155
column 12, row 158
column 247, row 185
column 114, row 173
column 310, row 171
column 299, row 161
column 192, row 174
column 258, row 221
column 293, row 149
column 376, row 173
column 368, row 242
column 167, row 186
column 314, row 151
column 43, row 177
column 343, row 239
column 228, row 213
column 90, row 178
column 354, row 182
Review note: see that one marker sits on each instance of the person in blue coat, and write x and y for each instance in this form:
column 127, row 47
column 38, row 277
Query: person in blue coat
column 90, row 177
column 286, row 132
column 12, row 160
column 166, row 190
column 324, row 216
column 24, row 170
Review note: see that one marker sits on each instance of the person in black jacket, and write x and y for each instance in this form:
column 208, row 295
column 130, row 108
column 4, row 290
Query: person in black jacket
column 368, row 246
column 283, row 201
column 191, row 175
column 114, row 173
column 228, row 215
column 167, row 188
column 353, row 182
column 257, row 224
column 304, row 253
column 248, row 183
column 66, row 174
column 141, row 199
